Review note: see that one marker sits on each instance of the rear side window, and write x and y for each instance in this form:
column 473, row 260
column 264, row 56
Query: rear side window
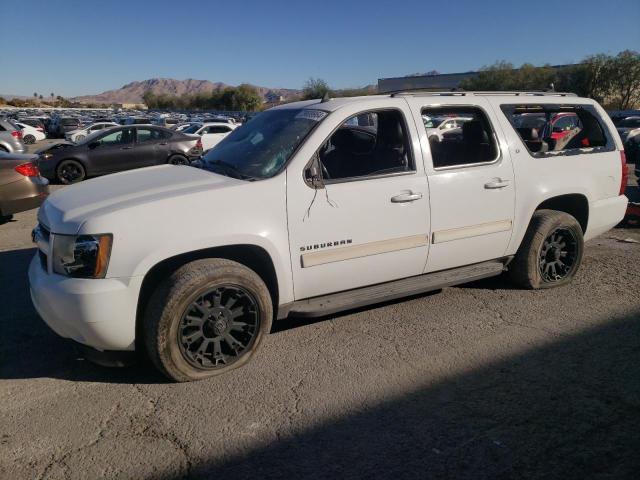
column 548, row 130
column 459, row 136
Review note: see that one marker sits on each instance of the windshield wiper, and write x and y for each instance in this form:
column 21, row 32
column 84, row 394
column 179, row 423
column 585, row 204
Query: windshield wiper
column 231, row 171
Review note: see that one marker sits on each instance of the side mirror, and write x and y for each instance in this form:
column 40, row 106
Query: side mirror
column 312, row 175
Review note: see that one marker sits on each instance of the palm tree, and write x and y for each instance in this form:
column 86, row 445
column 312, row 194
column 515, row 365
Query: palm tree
column 35, row 94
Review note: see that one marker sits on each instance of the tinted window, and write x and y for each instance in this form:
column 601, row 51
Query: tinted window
column 150, row 134
column 467, row 139
column 217, row 129
column 119, row 137
column 630, row 123
column 374, row 143
column 558, row 128
column 69, row 121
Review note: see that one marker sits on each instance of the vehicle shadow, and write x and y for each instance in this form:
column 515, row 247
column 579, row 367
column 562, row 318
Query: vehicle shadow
column 569, row 409
column 29, row 349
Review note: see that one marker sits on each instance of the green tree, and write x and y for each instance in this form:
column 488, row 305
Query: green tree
column 315, row 88
column 623, row 72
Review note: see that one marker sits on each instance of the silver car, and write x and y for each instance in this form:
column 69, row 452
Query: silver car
column 11, row 138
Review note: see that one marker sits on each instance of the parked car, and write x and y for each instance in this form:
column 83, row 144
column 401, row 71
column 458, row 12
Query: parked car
column 31, row 135
column 11, row 138
column 81, row 133
column 119, row 148
column 438, row 126
column 37, row 122
column 629, row 127
column 301, row 211
column 59, row 126
column 211, row 133
column 167, row 122
column 21, row 186
column 137, row 121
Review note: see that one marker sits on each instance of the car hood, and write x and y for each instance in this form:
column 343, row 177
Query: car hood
column 66, row 210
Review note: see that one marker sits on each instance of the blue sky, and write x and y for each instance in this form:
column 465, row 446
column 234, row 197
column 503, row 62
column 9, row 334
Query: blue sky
column 83, row 47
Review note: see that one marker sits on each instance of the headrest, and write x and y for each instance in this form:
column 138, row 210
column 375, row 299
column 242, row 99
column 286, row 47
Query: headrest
column 472, row 132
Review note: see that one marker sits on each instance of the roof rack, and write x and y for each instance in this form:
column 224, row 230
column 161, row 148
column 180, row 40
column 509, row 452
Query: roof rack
column 462, row 93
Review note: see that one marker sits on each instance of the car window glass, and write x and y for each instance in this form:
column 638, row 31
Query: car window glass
column 368, row 144
column 119, row 137
column 147, row 134
column 468, row 140
column 558, row 128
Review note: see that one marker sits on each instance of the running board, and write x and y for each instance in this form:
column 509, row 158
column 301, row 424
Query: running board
column 383, row 292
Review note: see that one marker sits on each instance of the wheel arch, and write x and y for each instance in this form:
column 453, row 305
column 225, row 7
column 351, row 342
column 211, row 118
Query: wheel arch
column 575, row 204
column 252, row 256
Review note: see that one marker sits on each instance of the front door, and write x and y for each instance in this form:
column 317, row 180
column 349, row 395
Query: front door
column 113, row 152
column 368, row 222
column 471, row 182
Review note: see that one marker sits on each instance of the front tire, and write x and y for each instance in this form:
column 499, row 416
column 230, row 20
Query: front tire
column 550, row 253
column 207, row 318
column 70, row 171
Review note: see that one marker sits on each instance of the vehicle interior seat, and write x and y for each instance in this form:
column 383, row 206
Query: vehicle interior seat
column 476, row 147
column 390, row 153
column 532, row 140
column 344, row 160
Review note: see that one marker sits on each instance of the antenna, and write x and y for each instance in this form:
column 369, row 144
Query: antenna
column 325, row 97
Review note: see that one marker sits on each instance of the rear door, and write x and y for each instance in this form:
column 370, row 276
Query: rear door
column 471, row 183
column 151, row 147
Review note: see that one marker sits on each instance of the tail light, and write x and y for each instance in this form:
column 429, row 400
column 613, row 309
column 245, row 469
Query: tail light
column 17, row 134
column 199, row 144
column 625, row 172
column 28, row 170
column 40, row 129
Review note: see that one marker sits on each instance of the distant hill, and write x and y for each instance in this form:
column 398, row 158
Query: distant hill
column 132, row 92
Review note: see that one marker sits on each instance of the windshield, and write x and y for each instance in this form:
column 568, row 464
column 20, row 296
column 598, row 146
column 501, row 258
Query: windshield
column 260, row 148
column 432, row 122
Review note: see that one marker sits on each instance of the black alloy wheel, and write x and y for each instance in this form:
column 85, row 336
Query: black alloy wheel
column 70, row 171
column 558, row 255
column 218, row 327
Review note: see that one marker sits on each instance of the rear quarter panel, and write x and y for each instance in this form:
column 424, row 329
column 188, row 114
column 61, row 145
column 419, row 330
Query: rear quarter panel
column 596, row 176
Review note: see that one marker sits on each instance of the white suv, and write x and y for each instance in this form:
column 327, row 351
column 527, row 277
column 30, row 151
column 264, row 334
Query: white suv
column 320, row 206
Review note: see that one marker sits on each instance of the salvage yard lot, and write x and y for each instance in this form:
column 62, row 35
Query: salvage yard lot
column 477, row 381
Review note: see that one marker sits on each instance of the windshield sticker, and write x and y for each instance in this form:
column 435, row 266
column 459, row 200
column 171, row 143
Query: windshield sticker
column 315, row 115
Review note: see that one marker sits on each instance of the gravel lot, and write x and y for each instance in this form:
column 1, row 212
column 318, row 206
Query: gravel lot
column 478, row 381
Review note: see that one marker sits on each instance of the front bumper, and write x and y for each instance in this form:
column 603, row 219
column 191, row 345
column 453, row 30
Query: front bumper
column 98, row 313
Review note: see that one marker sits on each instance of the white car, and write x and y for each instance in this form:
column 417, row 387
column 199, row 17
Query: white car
column 31, row 134
column 211, row 132
column 438, row 126
column 305, row 211
column 81, row 133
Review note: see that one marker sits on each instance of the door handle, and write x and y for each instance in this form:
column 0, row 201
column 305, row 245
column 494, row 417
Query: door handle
column 496, row 183
column 163, row 143
column 126, row 148
column 406, row 197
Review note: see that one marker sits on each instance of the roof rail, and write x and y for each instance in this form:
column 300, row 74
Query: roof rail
column 462, row 93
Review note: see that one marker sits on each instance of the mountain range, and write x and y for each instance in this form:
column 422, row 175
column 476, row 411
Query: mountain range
column 132, row 92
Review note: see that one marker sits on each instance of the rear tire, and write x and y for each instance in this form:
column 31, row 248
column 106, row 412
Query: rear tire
column 29, row 139
column 550, row 253
column 70, row 171
column 207, row 318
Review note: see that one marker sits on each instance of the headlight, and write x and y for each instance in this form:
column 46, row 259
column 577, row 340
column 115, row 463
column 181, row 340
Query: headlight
column 82, row 256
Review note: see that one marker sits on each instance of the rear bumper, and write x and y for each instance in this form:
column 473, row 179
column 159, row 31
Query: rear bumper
column 23, row 195
column 100, row 314
column 605, row 214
